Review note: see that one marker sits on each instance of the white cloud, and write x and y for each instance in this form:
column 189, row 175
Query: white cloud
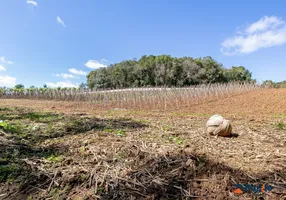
column 59, row 20
column 93, row 64
column 264, row 24
column 3, row 60
column 34, row 3
column 2, row 68
column 77, row 72
column 61, row 84
column 104, row 60
column 66, row 76
column 7, row 81
column 264, row 33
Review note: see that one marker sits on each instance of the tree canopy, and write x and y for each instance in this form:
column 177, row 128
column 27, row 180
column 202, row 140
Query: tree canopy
column 270, row 83
column 164, row 70
column 19, row 86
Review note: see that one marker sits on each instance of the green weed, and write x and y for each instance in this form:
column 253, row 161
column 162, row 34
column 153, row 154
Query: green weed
column 75, row 123
column 33, row 116
column 53, row 158
column 49, row 128
column 9, row 127
column 100, row 190
column 108, row 130
column 280, row 125
column 42, row 117
column 177, row 140
column 117, row 132
column 30, row 198
column 166, row 128
column 6, row 171
column 5, row 109
column 82, row 148
column 120, row 133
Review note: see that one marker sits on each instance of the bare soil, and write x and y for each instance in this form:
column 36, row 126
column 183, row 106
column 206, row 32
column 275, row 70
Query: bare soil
column 262, row 103
column 68, row 150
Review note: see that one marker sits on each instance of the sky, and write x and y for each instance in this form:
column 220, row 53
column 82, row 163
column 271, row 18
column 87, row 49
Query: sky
column 58, row 42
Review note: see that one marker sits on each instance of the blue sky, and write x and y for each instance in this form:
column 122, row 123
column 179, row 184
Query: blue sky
column 58, row 41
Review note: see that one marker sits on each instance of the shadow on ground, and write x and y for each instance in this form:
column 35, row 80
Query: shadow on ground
column 187, row 176
column 22, row 159
column 20, row 168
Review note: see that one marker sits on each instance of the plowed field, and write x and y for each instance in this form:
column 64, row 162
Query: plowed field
column 67, row 150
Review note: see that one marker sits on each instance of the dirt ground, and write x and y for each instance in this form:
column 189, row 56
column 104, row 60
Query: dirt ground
column 263, row 103
column 77, row 151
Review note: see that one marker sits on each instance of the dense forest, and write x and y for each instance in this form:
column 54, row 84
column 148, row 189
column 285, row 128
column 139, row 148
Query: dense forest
column 165, row 70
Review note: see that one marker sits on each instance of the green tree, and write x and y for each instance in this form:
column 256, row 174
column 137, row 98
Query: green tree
column 91, row 79
column 211, row 70
column 100, row 79
column 145, row 71
column 122, row 74
column 237, row 74
column 164, row 70
column 268, row 83
column 19, row 86
column 83, row 86
column 192, row 72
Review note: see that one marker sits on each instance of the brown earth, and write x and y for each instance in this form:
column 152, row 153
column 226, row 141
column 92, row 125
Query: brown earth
column 263, row 103
column 127, row 154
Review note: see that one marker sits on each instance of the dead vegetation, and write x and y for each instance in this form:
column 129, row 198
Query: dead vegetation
column 123, row 154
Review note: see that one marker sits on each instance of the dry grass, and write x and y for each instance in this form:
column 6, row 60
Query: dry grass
column 124, row 154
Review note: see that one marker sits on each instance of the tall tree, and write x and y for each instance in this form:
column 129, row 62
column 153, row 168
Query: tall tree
column 237, row 74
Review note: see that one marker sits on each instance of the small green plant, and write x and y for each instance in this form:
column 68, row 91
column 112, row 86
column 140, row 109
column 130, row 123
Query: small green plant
column 176, row 140
column 121, row 155
column 49, row 128
column 33, row 116
column 75, row 123
column 6, row 171
column 144, row 121
column 117, row 132
column 9, row 127
column 108, row 129
column 99, row 190
column 53, row 192
column 44, row 117
column 280, row 126
column 30, row 197
column 53, row 158
column 120, row 133
column 5, row 109
column 166, row 128
column 82, row 148
column 9, row 156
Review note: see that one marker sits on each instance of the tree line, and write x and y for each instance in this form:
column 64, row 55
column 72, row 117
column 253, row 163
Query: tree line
column 164, row 70
column 270, row 83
